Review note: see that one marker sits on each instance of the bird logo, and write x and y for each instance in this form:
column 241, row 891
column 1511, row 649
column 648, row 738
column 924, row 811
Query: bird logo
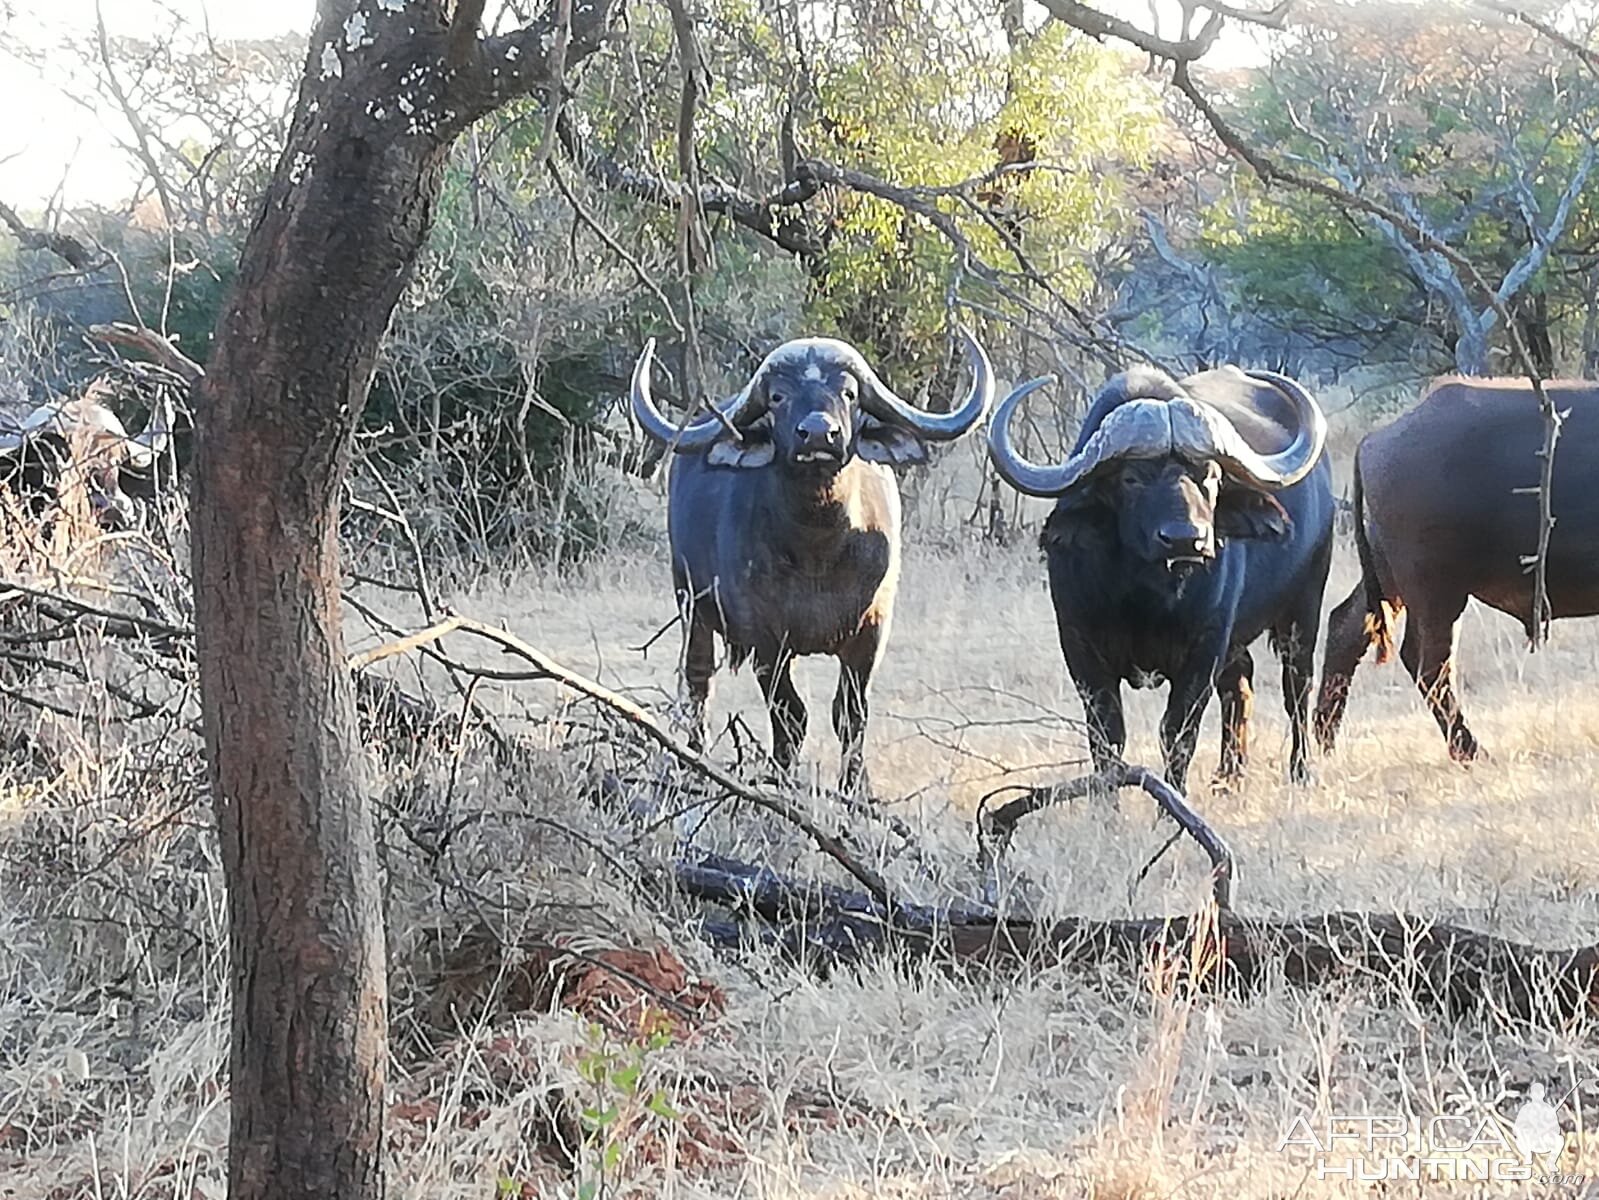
column 1537, row 1125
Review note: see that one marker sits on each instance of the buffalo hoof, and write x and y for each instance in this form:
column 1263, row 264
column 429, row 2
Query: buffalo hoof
column 1225, row 783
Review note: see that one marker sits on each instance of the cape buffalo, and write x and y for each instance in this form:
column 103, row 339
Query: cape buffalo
column 1191, row 518
column 784, row 519
column 81, row 442
column 1438, row 518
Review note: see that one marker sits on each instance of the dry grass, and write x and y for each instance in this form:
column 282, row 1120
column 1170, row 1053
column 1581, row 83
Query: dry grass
column 886, row 1082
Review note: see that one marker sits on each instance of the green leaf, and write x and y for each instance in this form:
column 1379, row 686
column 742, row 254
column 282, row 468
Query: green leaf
column 626, row 1078
column 661, row 1106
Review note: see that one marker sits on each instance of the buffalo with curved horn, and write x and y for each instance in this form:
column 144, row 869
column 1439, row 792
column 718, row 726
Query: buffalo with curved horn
column 1190, row 518
column 784, row 524
column 64, row 443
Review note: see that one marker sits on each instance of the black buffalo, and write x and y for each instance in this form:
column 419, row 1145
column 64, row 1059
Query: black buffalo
column 66, row 445
column 1191, row 518
column 784, row 523
column 1443, row 513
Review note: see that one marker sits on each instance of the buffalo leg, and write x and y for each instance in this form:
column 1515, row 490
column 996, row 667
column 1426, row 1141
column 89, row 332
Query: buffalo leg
column 784, row 705
column 699, row 664
column 1107, row 729
column 1101, row 694
column 850, row 710
column 1351, row 631
column 1235, row 690
column 1297, row 645
column 1428, row 652
column 1179, row 727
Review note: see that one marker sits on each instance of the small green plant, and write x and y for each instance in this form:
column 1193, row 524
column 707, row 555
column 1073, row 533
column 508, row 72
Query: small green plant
column 617, row 1108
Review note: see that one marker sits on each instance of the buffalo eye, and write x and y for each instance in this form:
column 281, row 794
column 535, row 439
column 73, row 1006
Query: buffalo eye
column 775, row 398
column 1131, row 479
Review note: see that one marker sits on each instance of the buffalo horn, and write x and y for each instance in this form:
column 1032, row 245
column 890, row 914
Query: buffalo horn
column 18, row 436
column 1272, row 472
column 685, row 437
column 879, row 400
column 1150, row 428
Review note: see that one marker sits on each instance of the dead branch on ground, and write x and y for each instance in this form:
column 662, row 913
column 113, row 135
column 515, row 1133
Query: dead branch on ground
column 1441, row 965
column 995, row 826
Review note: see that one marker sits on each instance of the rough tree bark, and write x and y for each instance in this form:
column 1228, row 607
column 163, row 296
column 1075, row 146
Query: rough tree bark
column 388, row 86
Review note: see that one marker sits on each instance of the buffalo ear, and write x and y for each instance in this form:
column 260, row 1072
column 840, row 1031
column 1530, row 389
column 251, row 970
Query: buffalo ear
column 754, row 449
column 891, row 445
column 1245, row 513
column 1080, row 520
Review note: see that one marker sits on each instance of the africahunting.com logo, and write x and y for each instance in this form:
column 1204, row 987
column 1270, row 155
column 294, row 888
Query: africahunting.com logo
column 1477, row 1146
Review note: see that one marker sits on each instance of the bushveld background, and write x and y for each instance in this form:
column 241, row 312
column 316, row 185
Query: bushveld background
column 559, row 1027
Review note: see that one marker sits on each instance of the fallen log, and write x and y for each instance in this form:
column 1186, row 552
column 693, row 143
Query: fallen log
column 1441, row 965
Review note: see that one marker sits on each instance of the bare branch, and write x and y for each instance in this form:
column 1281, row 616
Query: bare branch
column 1102, row 25
column 161, row 349
column 552, row 108
column 760, row 216
column 545, row 667
column 1588, row 57
column 498, row 69
column 996, row 826
column 64, row 246
column 141, row 131
column 612, row 244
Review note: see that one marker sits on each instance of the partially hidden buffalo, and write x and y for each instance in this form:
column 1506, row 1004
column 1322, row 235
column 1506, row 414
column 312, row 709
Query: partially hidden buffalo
column 1446, row 508
column 1191, row 517
column 66, row 444
column 784, row 525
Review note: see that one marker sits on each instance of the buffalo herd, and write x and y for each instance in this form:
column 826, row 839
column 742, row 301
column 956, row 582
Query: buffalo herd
column 1191, row 516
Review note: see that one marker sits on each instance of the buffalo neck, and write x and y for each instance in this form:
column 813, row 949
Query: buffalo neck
column 819, row 509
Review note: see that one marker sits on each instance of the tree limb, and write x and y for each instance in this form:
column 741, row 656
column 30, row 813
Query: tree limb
column 1588, row 57
column 760, row 216
column 463, row 31
column 161, row 349
column 995, row 826
column 545, row 667
column 507, row 66
column 1441, row 965
column 63, row 245
column 1102, row 25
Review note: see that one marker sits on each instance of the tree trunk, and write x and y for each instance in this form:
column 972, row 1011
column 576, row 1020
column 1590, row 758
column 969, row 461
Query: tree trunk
column 386, row 90
column 1471, row 349
column 319, row 278
column 1532, row 312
